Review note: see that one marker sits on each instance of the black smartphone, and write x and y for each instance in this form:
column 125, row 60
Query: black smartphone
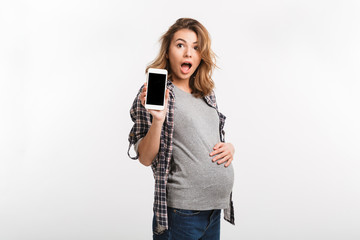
column 156, row 87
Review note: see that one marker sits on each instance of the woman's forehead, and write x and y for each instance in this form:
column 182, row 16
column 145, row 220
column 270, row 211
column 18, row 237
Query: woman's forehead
column 186, row 35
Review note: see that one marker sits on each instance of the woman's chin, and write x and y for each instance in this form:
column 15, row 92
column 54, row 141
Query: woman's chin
column 182, row 76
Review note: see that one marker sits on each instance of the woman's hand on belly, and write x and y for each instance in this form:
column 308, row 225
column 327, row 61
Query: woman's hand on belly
column 224, row 153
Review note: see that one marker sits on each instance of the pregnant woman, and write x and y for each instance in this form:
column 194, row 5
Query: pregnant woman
column 184, row 143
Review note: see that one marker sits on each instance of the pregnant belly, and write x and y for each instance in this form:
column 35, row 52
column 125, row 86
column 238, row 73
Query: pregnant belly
column 202, row 188
column 216, row 178
column 195, row 181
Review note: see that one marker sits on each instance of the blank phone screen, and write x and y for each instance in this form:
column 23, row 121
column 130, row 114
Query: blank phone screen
column 156, row 89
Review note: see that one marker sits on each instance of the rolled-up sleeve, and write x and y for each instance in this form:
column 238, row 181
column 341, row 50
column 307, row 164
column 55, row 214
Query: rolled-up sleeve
column 142, row 122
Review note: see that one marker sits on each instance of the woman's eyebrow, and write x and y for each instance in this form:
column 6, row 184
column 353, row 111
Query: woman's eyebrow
column 180, row 39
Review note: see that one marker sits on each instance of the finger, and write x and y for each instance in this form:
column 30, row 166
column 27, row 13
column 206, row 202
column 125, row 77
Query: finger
column 144, row 90
column 223, row 154
column 224, row 159
column 143, row 95
column 216, row 152
column 229, row 162
column 142, row 98
column 217, row 149
column 218, row 145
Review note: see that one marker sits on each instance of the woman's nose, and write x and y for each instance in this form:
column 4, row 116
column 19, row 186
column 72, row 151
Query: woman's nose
column 188, row 52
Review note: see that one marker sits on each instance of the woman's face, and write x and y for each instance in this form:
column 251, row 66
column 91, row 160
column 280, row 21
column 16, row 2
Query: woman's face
column 183, row 54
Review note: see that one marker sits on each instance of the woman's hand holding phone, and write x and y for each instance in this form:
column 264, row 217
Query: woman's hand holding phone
column 158, row 115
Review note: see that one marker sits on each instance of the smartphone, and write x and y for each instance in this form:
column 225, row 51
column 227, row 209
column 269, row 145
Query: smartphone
column 156, row 86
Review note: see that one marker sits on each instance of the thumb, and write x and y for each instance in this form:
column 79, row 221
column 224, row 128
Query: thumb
column 166, row 96
column 166, row 99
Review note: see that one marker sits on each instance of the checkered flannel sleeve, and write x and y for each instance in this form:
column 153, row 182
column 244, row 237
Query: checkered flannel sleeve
column 142, row 122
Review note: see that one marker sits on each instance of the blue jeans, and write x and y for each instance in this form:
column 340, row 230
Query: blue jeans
column 191, row 225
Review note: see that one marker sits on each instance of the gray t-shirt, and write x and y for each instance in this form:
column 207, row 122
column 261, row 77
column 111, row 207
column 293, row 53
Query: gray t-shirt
column 195, row 182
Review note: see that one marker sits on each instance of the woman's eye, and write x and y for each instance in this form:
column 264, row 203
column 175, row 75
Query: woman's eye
column 196, row 48
column 179, row 45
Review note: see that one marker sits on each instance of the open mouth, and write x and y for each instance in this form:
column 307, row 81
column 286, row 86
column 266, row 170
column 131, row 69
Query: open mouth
column 185, row 67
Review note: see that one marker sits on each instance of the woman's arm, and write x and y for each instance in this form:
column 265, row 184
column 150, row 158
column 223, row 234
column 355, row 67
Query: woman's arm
column 150, row 144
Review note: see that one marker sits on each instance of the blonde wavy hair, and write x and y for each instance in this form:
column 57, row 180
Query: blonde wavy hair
column 201, row 82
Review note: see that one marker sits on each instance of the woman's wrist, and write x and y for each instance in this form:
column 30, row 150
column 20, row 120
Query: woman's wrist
column 158, row 122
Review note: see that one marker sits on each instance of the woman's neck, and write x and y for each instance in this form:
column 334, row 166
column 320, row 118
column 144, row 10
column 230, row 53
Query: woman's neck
column 182, row 84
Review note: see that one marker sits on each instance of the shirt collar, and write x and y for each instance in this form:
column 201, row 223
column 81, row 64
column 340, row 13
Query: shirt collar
column 170, row 85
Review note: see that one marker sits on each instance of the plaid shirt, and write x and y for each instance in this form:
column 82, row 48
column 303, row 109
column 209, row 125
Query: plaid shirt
column 161, row 164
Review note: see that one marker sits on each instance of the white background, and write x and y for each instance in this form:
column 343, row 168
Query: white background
column 288, row 83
